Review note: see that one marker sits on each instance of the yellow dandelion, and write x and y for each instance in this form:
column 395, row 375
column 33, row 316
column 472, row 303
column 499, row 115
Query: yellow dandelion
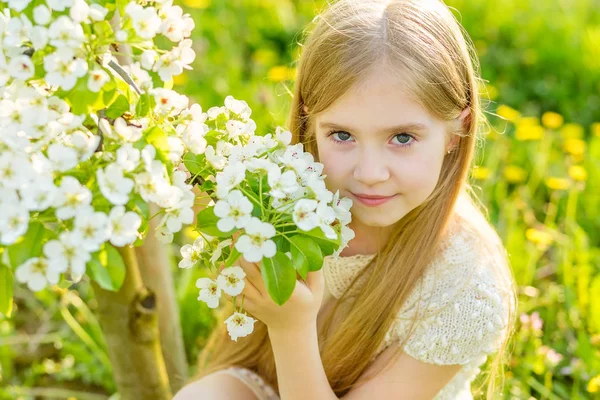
column 552, row 120
column 265, row 56
column 480, row 173
column 197, row 3
column 594, row 384
column 180, row 79
column 541, row 238
column 508, row 113
column 572, row 131
column 556, row 183
column 280, row 73
column 596, row 129
column 490, row 91
column 514, row 174
column 575, row 147
column 529, row 132
column 578, row 173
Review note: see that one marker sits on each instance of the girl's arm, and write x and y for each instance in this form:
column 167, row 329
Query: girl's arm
column 300, row 372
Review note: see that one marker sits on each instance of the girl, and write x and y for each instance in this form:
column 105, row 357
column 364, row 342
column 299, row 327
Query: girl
column 386, row 97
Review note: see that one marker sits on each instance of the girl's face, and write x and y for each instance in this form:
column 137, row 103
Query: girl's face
column 377, row 141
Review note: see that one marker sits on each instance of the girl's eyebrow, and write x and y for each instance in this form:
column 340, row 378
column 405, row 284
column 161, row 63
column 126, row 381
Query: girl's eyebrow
column 411, row 126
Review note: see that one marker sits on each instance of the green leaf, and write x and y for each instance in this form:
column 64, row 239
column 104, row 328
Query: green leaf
column 234, row 255
column 328, row 246
column 207, row 223
column 27, row 247
column 158, row 138
column 279, row 276
column 194, row 162
column 107, row 268
column 118, row 107
column 6, row 290
column 102, row 29
column 144, row 105
column 121, row 4
column 306, row 254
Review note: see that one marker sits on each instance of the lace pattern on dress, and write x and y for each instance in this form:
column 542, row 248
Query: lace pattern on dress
column 255, row 382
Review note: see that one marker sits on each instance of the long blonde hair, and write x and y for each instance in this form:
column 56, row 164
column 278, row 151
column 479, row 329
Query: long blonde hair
column 422, row 40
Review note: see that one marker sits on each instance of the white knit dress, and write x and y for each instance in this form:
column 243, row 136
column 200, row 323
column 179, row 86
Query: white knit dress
column 465, row 302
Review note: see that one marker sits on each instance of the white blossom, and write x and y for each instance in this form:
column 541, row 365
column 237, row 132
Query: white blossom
column 282, row 184
column 42, row 14
column 256, row 243
column 210, row 293
column 123, row 226
column 175, row 25
column 128, row 157
column 97, row 12
column 97, row 79
column 304, row 214
column 231, row 176
column 63, row 68
column 63, row 158
column 192, row 253
column 64, row 32
column 113, row 185
column 36, row 273
column 14, row 221
column 67, row 254
column 15, row 169
column 21, row 67
column 91, row 227
column 342, row 208
column 39, row 37
column 326, row 217
column 193, row 137
column 80, row 11
column 146, row 22
column 239, row 325
column 18, row 5
column 231, row 280
column 233, row 211
column 71, row 198
column 39, row 194
column 148, row 58
column 239, row 107
column 59, row 5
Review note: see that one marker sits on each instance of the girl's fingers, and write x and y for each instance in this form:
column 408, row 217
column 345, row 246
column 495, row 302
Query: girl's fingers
column 250, row 290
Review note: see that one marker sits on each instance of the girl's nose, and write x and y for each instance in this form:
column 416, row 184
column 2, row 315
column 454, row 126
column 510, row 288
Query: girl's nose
column 371, row 168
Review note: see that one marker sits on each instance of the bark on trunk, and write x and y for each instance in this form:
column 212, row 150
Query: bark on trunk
column 129, row 320
column 155, row 268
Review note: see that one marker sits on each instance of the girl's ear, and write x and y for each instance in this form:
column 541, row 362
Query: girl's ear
column 465, row 119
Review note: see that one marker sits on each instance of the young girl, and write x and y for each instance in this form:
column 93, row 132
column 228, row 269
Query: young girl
column 386, row 97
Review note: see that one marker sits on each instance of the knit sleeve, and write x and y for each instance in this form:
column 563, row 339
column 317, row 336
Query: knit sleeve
column 463, row 314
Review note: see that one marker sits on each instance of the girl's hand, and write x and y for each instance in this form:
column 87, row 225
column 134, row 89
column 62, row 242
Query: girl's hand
column 299, row 311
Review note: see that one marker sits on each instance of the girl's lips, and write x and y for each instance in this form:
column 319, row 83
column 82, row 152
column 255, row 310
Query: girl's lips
column 372, row 202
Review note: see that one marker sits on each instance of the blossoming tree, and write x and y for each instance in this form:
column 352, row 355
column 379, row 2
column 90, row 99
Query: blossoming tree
column 94, row 152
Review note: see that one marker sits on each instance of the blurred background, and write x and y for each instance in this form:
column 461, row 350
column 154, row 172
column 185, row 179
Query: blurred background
column 538, row 174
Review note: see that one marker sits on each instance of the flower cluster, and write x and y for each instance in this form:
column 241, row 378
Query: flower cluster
column 87, row 145
column 269, row 203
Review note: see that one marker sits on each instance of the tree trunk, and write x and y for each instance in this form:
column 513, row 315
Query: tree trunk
column 129, row 320
column 155, row 268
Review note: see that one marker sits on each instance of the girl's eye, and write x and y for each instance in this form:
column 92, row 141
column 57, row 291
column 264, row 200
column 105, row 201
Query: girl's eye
column 404, row 139
column 343, row 136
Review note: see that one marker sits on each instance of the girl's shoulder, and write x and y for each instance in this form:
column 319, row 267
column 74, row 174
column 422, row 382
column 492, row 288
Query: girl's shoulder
column 464, row 301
